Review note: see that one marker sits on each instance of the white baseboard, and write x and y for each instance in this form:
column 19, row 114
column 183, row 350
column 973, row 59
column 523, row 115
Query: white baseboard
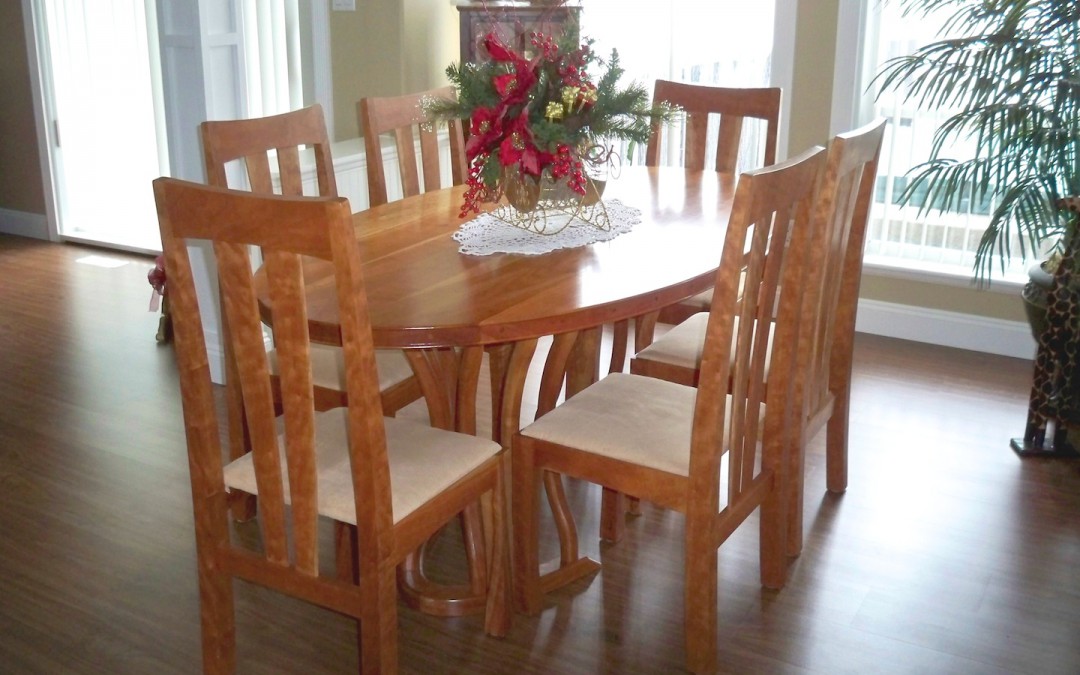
column 23, row 224
column 949, row 329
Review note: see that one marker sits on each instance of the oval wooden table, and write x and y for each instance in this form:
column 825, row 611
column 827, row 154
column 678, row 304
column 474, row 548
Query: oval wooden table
column 446, row 308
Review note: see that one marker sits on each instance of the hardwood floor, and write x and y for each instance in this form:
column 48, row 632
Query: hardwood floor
column 947, row 554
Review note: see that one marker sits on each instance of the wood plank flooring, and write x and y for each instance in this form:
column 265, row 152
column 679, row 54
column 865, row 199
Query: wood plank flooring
column 947, row 554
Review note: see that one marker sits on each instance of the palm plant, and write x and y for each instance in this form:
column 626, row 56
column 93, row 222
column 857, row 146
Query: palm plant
column 1013, row 82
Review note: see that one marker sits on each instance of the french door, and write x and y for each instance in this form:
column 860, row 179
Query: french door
column 100, row 62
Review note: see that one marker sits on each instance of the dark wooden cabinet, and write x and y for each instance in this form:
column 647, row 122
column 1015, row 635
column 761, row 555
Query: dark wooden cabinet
column 513, row 22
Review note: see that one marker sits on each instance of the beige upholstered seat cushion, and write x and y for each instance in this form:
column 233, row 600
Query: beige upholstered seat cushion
column 328, row 367
column 423, row 462
column 702, row 301
column 632, row 418
column 682, row 345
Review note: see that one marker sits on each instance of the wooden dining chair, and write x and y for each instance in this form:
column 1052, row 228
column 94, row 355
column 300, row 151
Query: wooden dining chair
column 733, row 106
column 396, row 481
column 245, row 145
column 286, row 134
column 714, row 456
column 842, row 210
column 728, row 108
column 403, row 118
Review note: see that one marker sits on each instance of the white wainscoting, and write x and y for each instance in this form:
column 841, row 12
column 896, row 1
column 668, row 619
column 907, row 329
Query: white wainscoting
column 949, row 329
column 23, row 224
column 350, row 167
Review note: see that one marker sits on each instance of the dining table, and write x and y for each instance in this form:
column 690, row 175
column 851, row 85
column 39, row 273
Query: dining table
column 446, row 309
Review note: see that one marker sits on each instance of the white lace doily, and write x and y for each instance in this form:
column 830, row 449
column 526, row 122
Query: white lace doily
column 487, row 234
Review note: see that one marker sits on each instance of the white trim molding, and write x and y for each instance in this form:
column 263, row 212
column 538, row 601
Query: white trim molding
column 33, row 25
column 24, row 224
column 948, row 329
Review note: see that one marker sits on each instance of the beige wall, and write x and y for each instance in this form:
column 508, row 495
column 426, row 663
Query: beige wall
column 20, row 175
column 386, row 48
column 812, row 76
column 366, row 48
column 431, row 43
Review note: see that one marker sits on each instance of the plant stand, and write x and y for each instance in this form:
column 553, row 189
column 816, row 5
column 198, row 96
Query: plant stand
column 1053, row 423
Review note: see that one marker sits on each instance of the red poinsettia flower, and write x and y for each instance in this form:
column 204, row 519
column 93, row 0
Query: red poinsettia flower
column 507, row 85
column 512, row 86
column 499, row 51
column 485, row 130
column 518, row 147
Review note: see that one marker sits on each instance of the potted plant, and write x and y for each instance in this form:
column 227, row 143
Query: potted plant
column 1012, row 82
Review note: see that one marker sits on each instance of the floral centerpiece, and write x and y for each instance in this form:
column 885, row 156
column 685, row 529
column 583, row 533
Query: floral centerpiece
column 542, row 118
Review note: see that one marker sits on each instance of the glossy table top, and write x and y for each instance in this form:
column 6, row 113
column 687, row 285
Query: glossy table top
column 423, row 293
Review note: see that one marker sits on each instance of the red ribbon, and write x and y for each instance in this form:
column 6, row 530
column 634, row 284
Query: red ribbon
column 156, row 277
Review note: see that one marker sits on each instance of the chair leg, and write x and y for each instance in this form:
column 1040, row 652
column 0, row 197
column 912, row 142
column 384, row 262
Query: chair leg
column 773, row 537
column 612, row 515
column 700, row 596
column 619, row 337
column 345, row 551
column 218, row 620
column 378, row 625
column 497, row 612
column 836, row 442
column 644, row 330
column 795, row 497
column 525, row 485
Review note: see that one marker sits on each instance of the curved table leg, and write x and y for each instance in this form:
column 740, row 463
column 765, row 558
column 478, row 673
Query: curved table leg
column 498, row 362
column 448, row 381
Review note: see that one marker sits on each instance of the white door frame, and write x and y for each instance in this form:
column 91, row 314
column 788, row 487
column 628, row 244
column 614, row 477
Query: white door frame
column 33, row 25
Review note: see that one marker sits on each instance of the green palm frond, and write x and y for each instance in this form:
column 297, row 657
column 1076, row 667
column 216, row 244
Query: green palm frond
column 1001, row 81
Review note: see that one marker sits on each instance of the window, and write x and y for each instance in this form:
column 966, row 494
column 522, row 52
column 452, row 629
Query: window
column 272, row 57
column 905, row 236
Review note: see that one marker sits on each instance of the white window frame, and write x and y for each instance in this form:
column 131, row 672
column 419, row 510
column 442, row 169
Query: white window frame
column 853, row 106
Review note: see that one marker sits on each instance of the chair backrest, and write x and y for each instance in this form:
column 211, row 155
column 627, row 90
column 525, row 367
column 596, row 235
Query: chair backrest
column 403, row 117
column 767, row 245
column 286, row 229
column 251, row 140
column 732, row 105
column 842, row 209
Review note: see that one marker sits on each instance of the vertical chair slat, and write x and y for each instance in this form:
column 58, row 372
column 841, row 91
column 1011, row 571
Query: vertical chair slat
column 245, row 327
column 258, row 172
column 458, row 169
column 403, row 117
column 727, row 142
column 288, row 160
column 298, row 402
column 429, row 158
column 697, row 124
column 405, row 142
